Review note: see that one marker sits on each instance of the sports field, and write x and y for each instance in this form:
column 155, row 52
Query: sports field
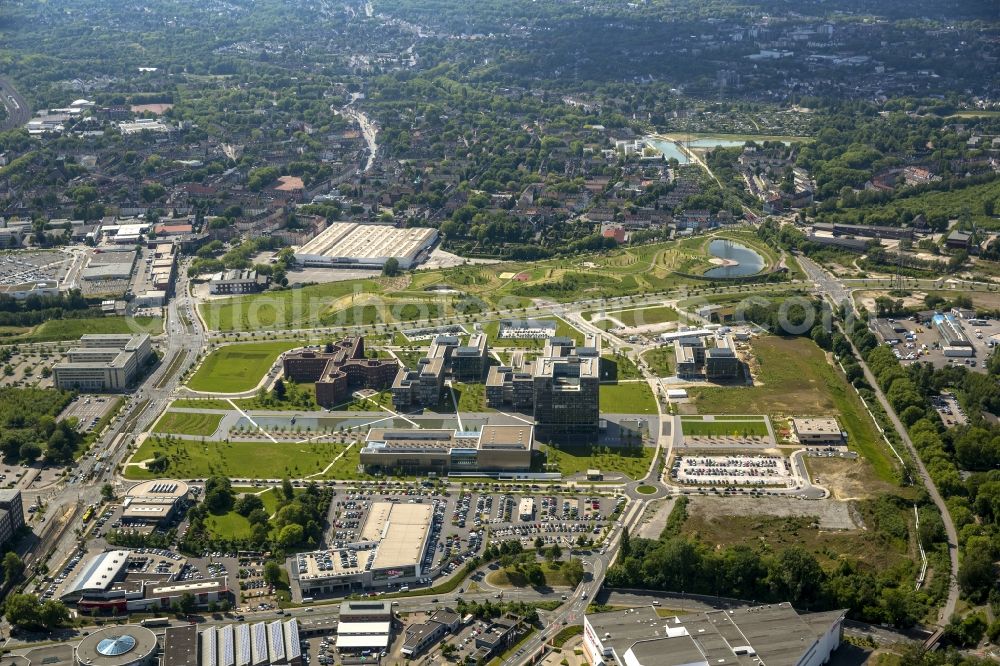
column 238, row 367
column 188, row 423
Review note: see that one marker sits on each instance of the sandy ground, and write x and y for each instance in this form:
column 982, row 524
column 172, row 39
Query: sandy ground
column 655, row 518
column 442, row 259
column 832, row 514
column 846, row 479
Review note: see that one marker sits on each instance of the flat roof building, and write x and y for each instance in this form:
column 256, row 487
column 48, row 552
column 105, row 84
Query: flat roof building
column 823, row 431
column 951, row 331
column 258, row 644
column 103, row 362
column 390, row 549
column 566, row 389
column 11, row 515
column 353, row 245
column 238, row 281
column 154, row 502
column 339, row 372
column 774, row 634
column 125, row 645
column 493, row 449
column 421, row 386
column 507, row 386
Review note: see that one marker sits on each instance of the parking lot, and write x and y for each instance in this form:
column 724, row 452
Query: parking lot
column 20, row 266
column 733, row 470
column 88, row 410
column 462, row 520
column 950, row 411
column 922, row 343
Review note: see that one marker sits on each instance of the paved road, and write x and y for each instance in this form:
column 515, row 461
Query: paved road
column 835, row 290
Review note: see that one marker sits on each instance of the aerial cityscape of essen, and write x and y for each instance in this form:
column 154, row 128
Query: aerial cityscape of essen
column 594, row 333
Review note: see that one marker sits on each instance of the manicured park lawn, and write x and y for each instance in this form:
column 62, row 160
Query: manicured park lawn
column 630, row 398
column 695, row 427
column 642, row 316
column 238, row 367
column 201, row 403
column 633, row 461
column 618, row 367
column 255, row 460
column 797, row 380
column 188, row 423
column 229, row 525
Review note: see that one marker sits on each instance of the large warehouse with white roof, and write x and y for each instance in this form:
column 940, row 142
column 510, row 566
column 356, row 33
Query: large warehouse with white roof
column 353, row 245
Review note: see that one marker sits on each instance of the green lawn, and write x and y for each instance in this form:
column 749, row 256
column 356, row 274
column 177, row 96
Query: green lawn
column 661, row 361
column 631, row 398
column 71, row 329
column 617, row 368
column 471, row 397
column 642, row 316
column 238, row 367
column 646, row 490
column 695, row 426
column 188, row 459
column 187, row 423
column 797, row 380
column 229, row 525
column 201, row 403
column 633, row 461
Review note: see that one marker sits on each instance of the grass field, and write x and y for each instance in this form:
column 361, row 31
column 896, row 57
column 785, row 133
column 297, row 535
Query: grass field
column 797, row 380
column 642, row 316
column 255, row 460
column 660, row 361
column 71, row 329
column 632, row 461
column 512, row 578
column 632, row 270
column 201, row 403
column 188, row 423
column 237, row 367
column 695, row 427
column 229, row 525
column 618, row 367
column 631, row 398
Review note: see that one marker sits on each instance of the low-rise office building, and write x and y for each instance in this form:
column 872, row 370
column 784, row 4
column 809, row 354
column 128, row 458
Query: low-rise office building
column 819, row 432
column 104, row 362
column 365, row 626
column 492, row 450
column 154, row 502
column 340, row 371
column 421, row 386
column 238, row 281
column 424, row 635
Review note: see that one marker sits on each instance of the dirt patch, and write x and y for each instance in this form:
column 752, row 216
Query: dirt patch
column 655, row 518
column 829, row 514
column 847, row 479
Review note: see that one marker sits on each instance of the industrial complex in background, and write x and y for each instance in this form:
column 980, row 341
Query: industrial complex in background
column 353, row 245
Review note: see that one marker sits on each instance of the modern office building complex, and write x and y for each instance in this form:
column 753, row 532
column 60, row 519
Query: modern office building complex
column 11, row 515
column 104, row 362
column 774, row 635
column 339, row 372
column 566, row 389
column 492, row 450
column 694, row 359
column 421, row 386
column 561, row 387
